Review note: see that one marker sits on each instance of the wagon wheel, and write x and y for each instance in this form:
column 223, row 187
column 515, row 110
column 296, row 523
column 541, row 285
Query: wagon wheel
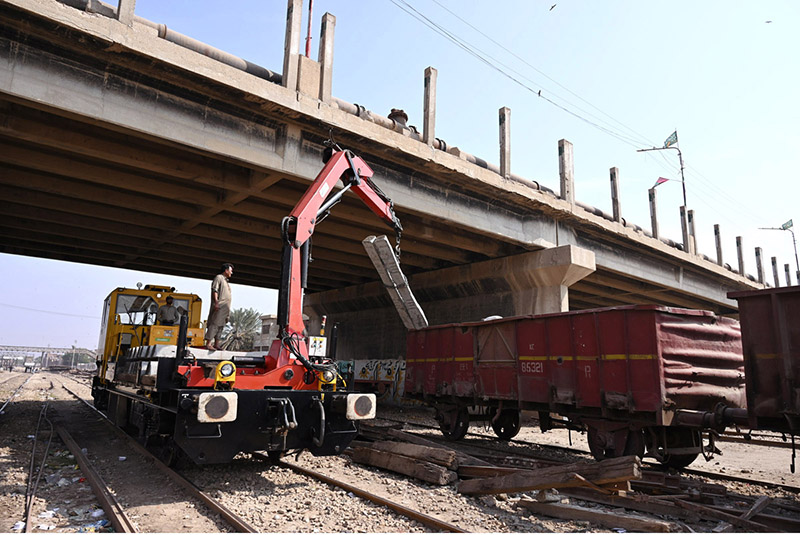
column 506, row 424
column 611, row 444
column 681, row 438
column 453, row 423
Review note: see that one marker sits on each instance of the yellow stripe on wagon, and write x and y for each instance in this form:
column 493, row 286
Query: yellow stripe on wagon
column 588, row 357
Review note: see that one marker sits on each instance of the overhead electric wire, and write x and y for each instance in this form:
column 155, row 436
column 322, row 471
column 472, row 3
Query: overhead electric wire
column 493, row 64
column 706, row 186
column 523, row 60
column 49, row 311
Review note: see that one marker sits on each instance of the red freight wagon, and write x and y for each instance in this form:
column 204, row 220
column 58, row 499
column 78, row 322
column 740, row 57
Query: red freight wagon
column 636, row 377
column 771, row 343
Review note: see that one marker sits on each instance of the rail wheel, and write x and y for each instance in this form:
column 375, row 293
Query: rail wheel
column 679, row 439
column 453, row 423
column 165, row 449
column 275, row 456
column 506, row 424
column 618, row 443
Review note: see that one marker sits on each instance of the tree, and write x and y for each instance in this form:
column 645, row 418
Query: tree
column 241, row 332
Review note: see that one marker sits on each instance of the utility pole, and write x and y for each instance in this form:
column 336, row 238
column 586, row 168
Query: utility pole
column 788, row 226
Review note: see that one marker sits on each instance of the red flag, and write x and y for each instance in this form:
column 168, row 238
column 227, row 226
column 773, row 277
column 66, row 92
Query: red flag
column 660, row 181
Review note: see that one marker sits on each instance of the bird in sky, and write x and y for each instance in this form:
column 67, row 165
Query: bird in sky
column 551, row 7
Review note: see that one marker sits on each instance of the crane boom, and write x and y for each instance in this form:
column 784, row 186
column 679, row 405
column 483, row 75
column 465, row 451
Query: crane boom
column 298, row 228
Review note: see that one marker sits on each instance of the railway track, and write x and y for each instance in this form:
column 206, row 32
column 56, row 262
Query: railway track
column 15, row 392
column 270, row 499
column 242, row 526
column 235, row 522
column 422, row 518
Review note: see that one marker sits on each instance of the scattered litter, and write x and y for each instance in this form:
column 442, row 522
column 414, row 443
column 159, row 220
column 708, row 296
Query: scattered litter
column 45, row 527
column 52, row 478
column 94, row 526
column 31, row 436
column 47, row 514
column 97, row 513
column 81, row 480
column 84, row 451
column 619, row 530
column 19, row 526
column 76, row 479
column 63, row 482
column 79, row 511
column 121, row 458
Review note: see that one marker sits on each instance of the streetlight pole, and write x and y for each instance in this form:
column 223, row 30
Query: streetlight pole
column 794, row 243
column 680, row 159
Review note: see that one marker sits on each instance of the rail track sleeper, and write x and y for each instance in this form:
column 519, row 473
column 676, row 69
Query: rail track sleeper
column 112, row 508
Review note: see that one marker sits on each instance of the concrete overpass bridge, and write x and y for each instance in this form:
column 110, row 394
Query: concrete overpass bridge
column 125, row 144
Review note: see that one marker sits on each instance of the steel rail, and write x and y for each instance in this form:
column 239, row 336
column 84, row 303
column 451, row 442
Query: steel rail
column 239, row 524
column 422, row 518
column 736, row 479
column 114, row 511
column 14, row 393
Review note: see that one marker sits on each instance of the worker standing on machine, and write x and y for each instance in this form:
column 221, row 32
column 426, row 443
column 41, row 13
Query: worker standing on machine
column 220, row 310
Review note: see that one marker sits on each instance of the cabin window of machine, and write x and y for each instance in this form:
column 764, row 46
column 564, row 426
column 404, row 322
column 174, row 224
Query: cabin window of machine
column 136, row 309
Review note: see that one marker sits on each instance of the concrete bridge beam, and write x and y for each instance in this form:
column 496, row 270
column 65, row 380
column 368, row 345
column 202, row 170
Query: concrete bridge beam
column 536, row 282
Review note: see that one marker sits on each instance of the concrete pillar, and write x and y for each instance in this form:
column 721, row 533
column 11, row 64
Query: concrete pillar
column 429, row 107
column 740, row 255
column 687, row 238
column 125, row 10
column 759, row 265
column 291, row 46
column 718, row 240
column 566, row 171
column 615, row 207
column 540, row 282
column 775, row 272
column 788, row 271
column 692, row 235
column 651, row 193
column 326, row 57
column 505, row 142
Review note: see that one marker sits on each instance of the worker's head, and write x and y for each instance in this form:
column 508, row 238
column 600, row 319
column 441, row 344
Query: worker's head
column 169, row 299
column 227, row 269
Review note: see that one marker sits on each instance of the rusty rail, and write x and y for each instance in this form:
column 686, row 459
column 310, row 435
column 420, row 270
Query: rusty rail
column 239, row 524
column 422, row 518
column 116, row 515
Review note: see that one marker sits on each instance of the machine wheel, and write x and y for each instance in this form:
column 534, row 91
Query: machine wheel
column 506, row 424
column 453, row 423
column 275, row 456
column 165, row 449
column 619, row 443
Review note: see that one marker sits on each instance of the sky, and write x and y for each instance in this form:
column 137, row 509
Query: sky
column 615, row 76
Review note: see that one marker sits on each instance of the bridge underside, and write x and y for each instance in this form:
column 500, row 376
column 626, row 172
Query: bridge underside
column 113, row 155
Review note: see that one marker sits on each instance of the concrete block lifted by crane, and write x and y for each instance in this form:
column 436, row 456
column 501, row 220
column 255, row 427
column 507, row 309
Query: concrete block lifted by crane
column 382, row 255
